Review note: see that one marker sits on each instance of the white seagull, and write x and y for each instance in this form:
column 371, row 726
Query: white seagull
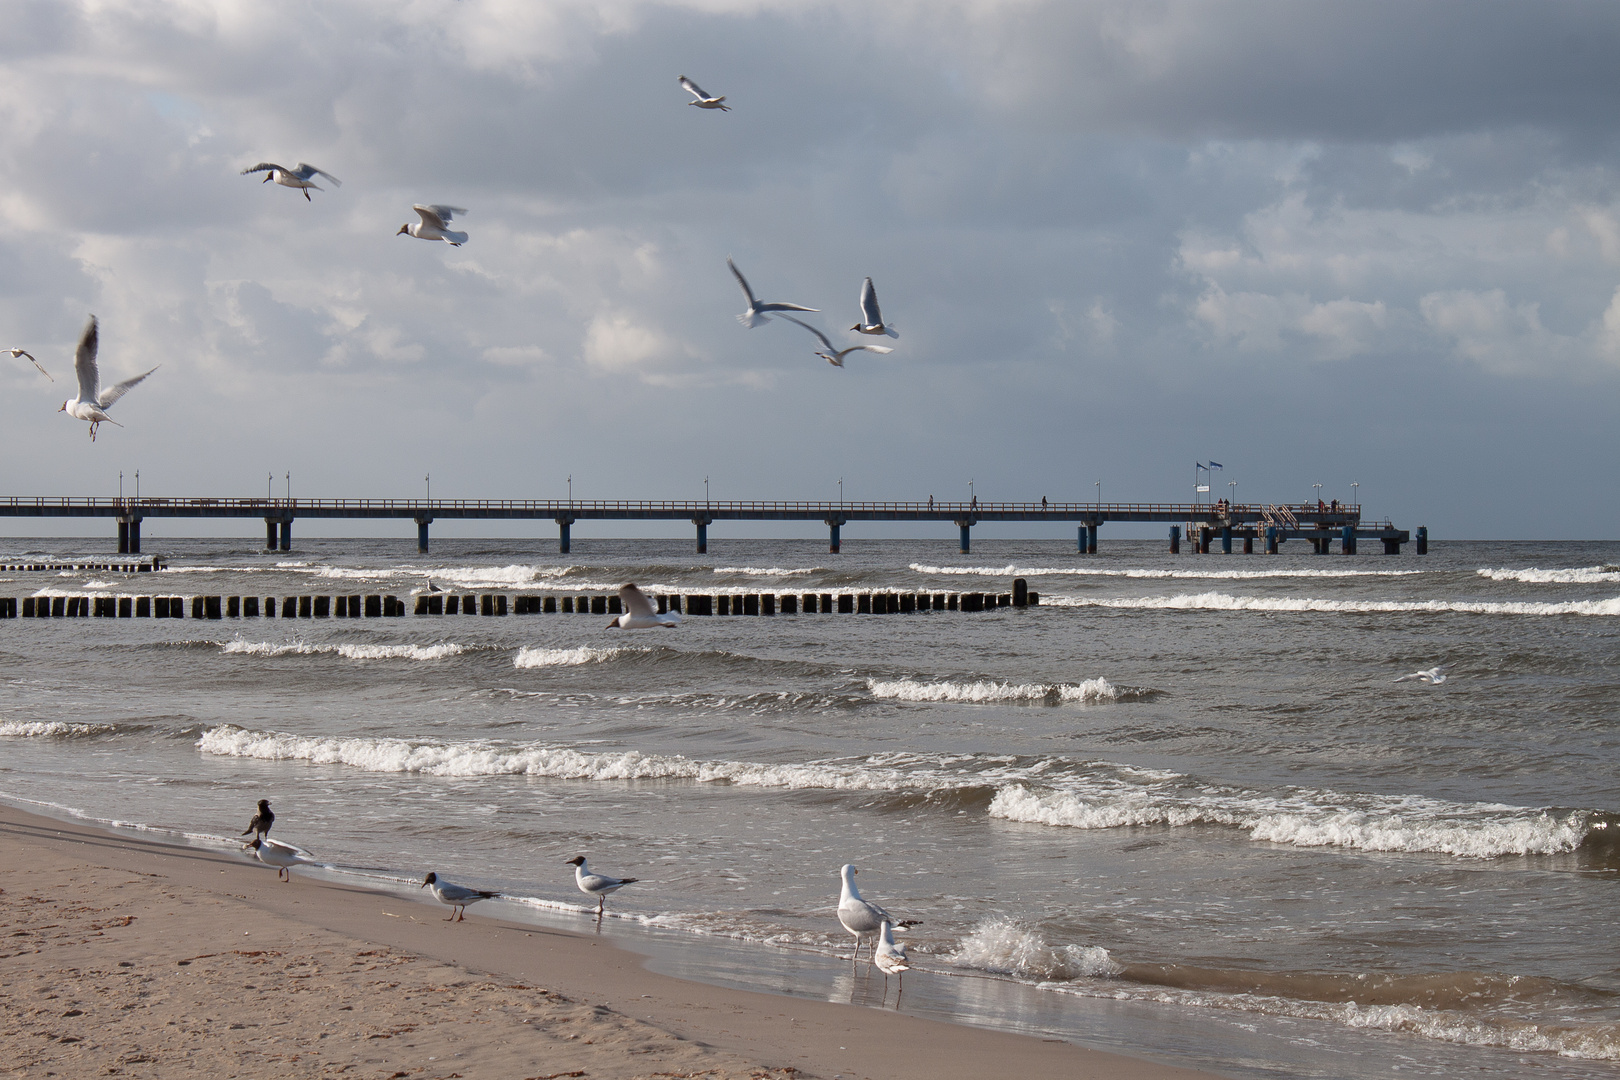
column 300, row 178
column 890, row 959
column 861, row 917
column 278, row 855
column 704, row 101
column 639, row 613
column 871, row 318
column 1434, row 676
column 456, row 897
column 597, row 885
column 16, row 353
column 756, row 310
column 833, row 356
column 432, row 226
column 93, row 402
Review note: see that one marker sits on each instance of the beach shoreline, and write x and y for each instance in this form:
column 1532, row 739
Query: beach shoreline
column 129, row 955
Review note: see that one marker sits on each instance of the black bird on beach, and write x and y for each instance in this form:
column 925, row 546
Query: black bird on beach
column 260, row 825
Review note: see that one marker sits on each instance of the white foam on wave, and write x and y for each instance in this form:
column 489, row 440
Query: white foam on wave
column 493, row 576
column 1308, row 819
column 50, row 729
column 1578, row 575
column 343, row 573
column 1013, row 570
column 1215, row 601
column 987, row 692
column 1003, row 946
column 348, row 651
column 766, row 571
column 534, row 657
column 100, row 585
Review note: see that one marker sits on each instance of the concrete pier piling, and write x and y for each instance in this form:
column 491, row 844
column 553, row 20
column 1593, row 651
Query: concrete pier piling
column 965, row 524
column 702, row 524
column 1175, row 539
column 564, row 537
column 422, row 524
column 833, row 525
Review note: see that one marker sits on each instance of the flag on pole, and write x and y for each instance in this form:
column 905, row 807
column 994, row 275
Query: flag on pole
column 1215, row 465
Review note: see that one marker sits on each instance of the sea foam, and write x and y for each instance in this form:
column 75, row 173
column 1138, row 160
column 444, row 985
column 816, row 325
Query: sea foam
column 1579, row 575
column 1215, row 601
column 1013, row 570
column 1005, row 947
column 533, row 657
column 985, row 692
column 51, row 729
column 348, row 651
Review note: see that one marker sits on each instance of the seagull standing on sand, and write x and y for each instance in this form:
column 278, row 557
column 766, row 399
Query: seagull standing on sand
column 433, row 224
column 639, row 613
column 861, row 917
column 455, row 897
column 597, row 885
column 93, row 402
column 260, row 825
column 833, row 356
column 15, row 353
column 1434, row 676
column 280, row 856
column 871, row 318
column 704, row 100
column 300, row 178
column 756, row 310
column 890, row 959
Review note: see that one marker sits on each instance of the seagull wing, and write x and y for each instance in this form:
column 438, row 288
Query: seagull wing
column 36, row 363
column 819, row 335
column 267, row 166
column 84, row 362
column 636, row 603
column 870, row 315
column 868, row 348
column 694, row 89
column 784, row 307
column 743, row 282
column 306, row 171
column 429, row 215
column 112, row 394
column 445, row 213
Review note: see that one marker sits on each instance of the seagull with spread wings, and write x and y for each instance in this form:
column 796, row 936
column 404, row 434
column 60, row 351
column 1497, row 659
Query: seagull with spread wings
column 93, row 402
column 16, row 353
column 639, row 613
column 756, row 310
column 704, row 99
column 833, row 356
column 302, row 178
column 872, row 318
column 434, row 224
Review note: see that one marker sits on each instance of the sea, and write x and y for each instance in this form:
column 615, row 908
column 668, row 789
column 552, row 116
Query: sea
column 1189, row 807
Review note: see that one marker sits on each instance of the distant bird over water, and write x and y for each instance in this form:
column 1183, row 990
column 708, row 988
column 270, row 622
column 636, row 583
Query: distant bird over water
column 639, row 613
column 434, row 224
column 455, row 897
column 756, row 310
column 597, row 885
column 871, row 318
column 16, row 353
column 93, row 402
column 260, row 825
column 300, row 178
column 833, row 356
column 1434, row 676
column 704, row 99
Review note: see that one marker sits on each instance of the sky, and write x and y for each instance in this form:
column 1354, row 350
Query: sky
column 1373, row 243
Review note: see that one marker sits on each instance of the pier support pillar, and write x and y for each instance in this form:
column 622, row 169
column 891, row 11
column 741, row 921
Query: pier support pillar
column 1080, row 540
column 286, row 535
column 1248, row 545
column 965, row 524
column 1347, row 541
column 269, row 534
column 833, row 525
column 564, row 543
column 1175, row 539
column 1271, row 539
column 1203, row 540
column 422, row 524
column 1091, row 538
column 123, row 537
column 1423, row 540
column 1226, row 540
column 703, row 534
column 134, row 536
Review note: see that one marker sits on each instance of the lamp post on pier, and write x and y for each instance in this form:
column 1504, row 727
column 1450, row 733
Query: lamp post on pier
column 1355, row 496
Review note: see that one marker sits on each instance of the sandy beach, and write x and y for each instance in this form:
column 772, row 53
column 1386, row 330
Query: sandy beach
column 126, row 956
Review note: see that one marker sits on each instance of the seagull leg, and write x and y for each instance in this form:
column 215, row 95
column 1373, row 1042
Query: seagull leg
column 306, row 196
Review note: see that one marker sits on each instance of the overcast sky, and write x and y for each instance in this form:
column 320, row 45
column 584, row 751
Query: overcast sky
column 1374, row 242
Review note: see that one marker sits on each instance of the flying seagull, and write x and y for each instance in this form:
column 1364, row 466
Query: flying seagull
column 455, row 897
column 93, row 402
column 432, row 227
column 756, row 310
column 300, row 178
column 639, row 613
column 15, row 353
column 835, row 357
column 1434, row 676
column 871, row 318
column 704, row 101
column 597, row 885
column 260, row 825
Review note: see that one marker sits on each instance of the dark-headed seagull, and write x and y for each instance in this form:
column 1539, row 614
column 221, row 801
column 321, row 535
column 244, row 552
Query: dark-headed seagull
column 455, row 897
column 432, row 226
column 597, row 885
column 93, row 402
column 301, row 178
column 756, row 310
column 639, row 613
column 16, row 353
column 871, row 318
column 704, row 100
column 280, row 856
column 833, row 356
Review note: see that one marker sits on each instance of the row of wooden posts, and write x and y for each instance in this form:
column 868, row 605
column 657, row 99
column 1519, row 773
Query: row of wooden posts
column 372, row 607
column 111, row 568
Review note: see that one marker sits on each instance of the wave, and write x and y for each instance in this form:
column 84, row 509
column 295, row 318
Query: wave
column 1012, row 570
column 533, row 657
column 769, row 571
column 348, row 651
column 52, row 729
column 1002, row 946
column 1090, row 691
column 1579, row 575
column 1215, row 601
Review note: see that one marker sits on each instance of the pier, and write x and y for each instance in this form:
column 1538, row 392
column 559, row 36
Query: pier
column 1203, row 524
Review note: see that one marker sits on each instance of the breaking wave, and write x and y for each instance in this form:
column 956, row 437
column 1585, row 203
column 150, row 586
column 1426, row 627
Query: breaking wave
column 52, row 729
column 1012, row 570
column 1091, row 691
column 1003, row 946
column 765, row 571
column 347, row 651
column 1580, row 575
column 531, row 657
column 1214, row 601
